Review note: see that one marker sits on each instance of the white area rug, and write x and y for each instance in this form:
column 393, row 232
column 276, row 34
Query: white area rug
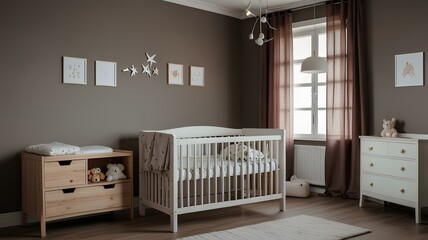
column 300, row 228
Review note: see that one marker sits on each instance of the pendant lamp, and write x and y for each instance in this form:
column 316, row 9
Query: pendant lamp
column 314, row 64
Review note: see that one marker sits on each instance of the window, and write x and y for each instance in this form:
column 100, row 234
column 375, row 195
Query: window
column 309, row 90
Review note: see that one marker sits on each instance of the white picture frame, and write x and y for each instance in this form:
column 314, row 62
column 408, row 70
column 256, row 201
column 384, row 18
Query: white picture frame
column 74, row 70
column 105, row 73
column 197, row 76
column 409, row 69
column 175, row 74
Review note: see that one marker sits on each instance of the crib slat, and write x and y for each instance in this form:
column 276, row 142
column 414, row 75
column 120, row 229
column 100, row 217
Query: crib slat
column 254, row 169
column 259, row 173
column 188, row 175
column 265, row 164
column 180, row 188
column 248, row 176
column 201, row 173
column 277, row 169
column 208, row 173
column 194, row 176
column 215, row 173
column 241, row 174
column 228, row 172
column 222, row 173
column 271, row 168
column 235, row 181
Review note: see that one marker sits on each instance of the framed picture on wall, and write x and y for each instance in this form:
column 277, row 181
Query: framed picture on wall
column 196, row 76
column 74, row 70
column 175, row 74
column 105, row 73
column 409, row 69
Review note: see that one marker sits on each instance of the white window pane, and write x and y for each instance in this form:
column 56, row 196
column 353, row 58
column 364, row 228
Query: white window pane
column 302, row 97
column 322, row 45
column 301, row 47
column 322, row 77
column 300, row 77
column 322, row 96
column 302, row 122
column 321, row 122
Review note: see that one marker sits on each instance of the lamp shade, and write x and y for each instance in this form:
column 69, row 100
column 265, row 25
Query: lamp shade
column 314, row 64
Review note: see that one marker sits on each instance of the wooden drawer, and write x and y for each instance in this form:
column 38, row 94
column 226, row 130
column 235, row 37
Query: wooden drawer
column 403, row 150
column 374, row 147
column 396, row 188
column 393, row 167
column 65, row 173
column 93, row 198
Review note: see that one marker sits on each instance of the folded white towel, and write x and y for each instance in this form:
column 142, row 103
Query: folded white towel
column 94, row 150
column 52, row 149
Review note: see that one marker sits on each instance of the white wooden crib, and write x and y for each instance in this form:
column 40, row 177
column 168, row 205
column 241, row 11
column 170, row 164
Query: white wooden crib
column 202, row 173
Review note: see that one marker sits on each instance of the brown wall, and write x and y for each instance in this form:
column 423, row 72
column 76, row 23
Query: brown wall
column 37, row 108
column 396, row 27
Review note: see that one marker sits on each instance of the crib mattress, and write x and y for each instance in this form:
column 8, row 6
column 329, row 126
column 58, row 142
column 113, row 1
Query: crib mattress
column 218, row 170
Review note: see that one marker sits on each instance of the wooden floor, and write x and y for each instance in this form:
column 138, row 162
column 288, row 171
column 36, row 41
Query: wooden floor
column 386, row 222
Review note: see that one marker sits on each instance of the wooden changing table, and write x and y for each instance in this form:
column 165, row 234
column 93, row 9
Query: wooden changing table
column 57, row 187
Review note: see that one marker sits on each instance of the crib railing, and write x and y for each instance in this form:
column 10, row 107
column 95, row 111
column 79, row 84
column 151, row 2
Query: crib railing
column 207, row 173
column 215, row 172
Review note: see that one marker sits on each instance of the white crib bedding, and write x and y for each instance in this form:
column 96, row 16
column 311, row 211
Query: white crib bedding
column 258, row 166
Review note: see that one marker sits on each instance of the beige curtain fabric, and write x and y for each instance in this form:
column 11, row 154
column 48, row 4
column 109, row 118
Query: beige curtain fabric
column 346, row 97
column 276, row 83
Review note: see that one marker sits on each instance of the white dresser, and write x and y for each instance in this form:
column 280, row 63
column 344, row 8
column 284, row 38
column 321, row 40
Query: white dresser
column 395, row 170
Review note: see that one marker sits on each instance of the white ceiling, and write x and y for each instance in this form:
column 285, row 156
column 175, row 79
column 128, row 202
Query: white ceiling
column 235, row 8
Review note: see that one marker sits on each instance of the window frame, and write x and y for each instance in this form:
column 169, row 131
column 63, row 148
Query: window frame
column 311, row 28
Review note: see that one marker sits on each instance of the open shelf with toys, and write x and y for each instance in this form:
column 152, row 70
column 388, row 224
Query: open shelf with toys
column 59, row 187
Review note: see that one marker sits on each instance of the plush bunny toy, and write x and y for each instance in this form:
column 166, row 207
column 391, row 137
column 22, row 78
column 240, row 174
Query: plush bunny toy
column 388, row 128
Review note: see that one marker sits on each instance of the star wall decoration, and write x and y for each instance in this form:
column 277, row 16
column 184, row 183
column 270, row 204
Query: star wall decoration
column 151, row 59
column 146, row 70
column 133, row 71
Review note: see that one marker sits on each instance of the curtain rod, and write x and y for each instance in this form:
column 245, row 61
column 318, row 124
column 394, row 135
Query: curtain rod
column 314, row 5
column 308, row 6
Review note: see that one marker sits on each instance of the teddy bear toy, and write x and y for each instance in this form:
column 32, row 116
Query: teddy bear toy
column 388, row 128
column 95, row 175
column 115, row 172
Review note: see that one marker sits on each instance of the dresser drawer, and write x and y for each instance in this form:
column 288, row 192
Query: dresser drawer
column 65, row 173
column 403, row 150
column 396, row 188
column 80, row 200
column 374, row 147
column 392, row 167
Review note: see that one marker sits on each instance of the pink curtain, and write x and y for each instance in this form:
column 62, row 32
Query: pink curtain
column 276, row 83
column 346, row 97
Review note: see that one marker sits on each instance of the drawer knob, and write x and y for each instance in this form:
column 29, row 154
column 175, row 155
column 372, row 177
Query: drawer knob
column 370, row 148
column 371, row 164
column 403, row 151
column 71, row 180
column 402, row 190
column 402, row 168
column 371, row 184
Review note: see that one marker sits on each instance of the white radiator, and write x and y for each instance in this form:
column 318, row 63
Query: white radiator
column 309, row 163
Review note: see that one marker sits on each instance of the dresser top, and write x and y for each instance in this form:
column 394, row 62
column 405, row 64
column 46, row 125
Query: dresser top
column 402, row 137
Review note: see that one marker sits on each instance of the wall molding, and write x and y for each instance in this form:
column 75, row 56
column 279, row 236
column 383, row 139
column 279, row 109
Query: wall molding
column 209, row 7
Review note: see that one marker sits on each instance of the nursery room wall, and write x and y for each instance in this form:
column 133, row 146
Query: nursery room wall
column 396, row 31
column 38, row 108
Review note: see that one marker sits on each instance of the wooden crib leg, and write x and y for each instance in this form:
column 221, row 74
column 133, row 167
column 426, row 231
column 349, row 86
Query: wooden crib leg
column 173, row 223
column 282, row 203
